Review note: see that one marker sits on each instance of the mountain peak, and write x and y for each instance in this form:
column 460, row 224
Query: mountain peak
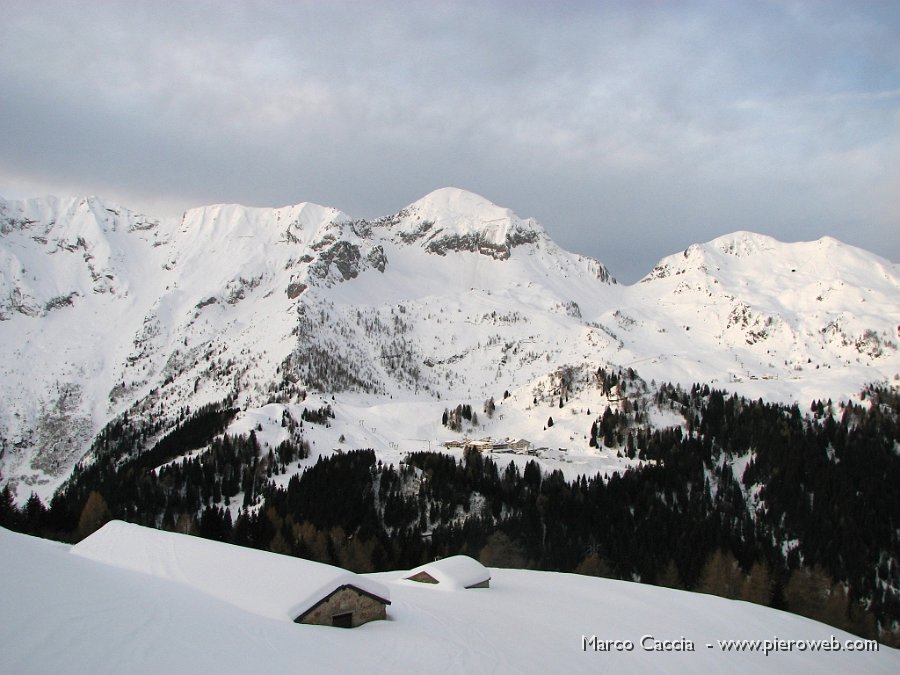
column 744, row 243
column 458, row 201
column 749, row 253
column 452, row 219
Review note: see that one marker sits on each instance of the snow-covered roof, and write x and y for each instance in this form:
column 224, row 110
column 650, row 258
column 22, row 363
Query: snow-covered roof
column 275, row 586
column 458, row 571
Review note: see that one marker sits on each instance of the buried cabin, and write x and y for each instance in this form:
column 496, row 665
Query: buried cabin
column 455, row 572
column 268, row 584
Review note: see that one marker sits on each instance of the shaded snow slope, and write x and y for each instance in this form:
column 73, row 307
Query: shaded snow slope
column 64, row 613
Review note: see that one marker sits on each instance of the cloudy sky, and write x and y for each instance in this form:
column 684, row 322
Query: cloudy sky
column 629, row 128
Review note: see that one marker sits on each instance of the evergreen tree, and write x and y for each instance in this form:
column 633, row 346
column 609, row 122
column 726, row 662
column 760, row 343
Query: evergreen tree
column 34, row 514
column 9, row 514
column 489, row 407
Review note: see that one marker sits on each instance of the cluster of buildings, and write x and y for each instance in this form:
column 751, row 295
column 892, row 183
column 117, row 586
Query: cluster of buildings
column 487, row 444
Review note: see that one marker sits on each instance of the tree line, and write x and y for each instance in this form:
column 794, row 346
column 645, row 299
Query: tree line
column 748, row 500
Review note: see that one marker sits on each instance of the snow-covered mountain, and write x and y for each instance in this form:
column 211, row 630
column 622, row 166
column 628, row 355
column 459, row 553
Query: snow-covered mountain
column 65, row 612
column 104, row 311
column 814, row 319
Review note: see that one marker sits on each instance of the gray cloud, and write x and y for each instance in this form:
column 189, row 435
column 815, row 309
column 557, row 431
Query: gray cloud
column 629, row 129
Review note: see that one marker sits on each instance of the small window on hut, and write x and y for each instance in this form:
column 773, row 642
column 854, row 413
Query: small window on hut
column 344, row 620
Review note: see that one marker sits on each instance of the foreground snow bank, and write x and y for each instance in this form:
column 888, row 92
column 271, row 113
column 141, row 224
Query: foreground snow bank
column 69, row 614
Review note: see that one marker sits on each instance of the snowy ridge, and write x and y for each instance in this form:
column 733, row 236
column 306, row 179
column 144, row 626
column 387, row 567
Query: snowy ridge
column 451, row 300
column 86, row 243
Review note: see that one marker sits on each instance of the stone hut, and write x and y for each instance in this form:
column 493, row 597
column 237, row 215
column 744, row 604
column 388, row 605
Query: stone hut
column 268, row 584
column 347, row 606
